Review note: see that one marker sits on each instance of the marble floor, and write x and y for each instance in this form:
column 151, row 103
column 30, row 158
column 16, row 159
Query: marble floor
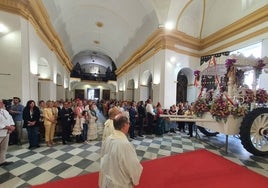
column 45, row 164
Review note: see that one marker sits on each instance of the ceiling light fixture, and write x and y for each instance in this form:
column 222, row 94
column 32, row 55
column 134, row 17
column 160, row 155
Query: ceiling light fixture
column 97, row 41
column 169, row 26
column 92, row 59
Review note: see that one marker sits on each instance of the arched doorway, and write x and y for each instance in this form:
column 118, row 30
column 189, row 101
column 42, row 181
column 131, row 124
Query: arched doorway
column 146, row 90
column 182, row 83
column 130, row 90
column 44, row 79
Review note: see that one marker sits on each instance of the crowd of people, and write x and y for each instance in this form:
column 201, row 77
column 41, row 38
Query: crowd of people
column 75, row 120
column 145, row 117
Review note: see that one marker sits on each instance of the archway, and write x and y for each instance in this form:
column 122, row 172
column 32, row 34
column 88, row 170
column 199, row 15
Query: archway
column 120, row 92
column 130, row 90
column 44, row 79
column 60, row 93
column 43, row 69
column 185, row 87
column 182, row 83
column 146, row 90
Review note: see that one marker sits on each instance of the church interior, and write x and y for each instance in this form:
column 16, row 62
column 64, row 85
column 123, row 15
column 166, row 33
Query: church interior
column 132, row 50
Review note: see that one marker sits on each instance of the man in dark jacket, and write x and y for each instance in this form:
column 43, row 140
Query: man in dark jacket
column 67, row 118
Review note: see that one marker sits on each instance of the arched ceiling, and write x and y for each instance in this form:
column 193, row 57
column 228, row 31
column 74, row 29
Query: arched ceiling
column 117, row 28
column 105, row 26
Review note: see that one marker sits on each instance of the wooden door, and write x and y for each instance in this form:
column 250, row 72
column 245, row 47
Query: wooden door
column 79, row 93
column 106, row 94
column 182, row 83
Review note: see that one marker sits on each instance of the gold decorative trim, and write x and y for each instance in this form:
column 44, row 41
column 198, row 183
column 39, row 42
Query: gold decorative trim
column 183, row 10
column 162, row 39
column 34, row 11
column 239, row 40
column 203, row 18
column 252, row 20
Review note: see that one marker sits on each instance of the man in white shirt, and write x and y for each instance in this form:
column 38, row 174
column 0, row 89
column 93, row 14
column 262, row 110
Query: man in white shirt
column 6, row 127
column 119, row 166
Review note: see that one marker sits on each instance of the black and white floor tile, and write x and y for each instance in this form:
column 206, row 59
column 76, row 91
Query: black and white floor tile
column 45, row 164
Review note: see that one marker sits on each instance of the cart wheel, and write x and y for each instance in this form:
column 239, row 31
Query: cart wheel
column 207, row 132
column 254, row 132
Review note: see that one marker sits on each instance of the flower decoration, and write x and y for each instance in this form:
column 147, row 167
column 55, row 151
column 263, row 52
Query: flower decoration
column 248, row 96
column 200, row 107
column 258, row 68
column 261, row 96
column 220, row 108
column 197, row 73
column 209, row 96
column 238, row 111
column 229, row 63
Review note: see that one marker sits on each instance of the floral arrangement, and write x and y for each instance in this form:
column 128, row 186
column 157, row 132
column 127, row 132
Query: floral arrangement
column 200, row 107
column 229, row 63
column 220, row 108
column 238, row 111
column 248, row 96
column 261, row 96
column 209, row 96
column 197, row 73
column 258, row 68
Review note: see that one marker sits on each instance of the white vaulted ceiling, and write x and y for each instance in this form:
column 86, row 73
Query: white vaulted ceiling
column 117, row 28
column 76, row 23
column 128, row 23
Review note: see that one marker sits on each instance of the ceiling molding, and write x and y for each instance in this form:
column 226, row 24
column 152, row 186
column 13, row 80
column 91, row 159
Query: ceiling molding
column 237, row 41
column 250, row 21
column 162, row 39
column 35, row 12
column 181, row 13
column 203, row 19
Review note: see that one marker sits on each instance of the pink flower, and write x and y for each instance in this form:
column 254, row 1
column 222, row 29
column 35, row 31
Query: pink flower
column 196, row 73
column 229, row 63
column 261, row 96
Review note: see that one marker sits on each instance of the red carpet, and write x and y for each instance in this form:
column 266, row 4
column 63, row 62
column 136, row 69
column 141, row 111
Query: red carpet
column 201, row 169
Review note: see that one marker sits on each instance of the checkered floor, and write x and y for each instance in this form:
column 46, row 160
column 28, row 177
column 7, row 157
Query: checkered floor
column 45, row 164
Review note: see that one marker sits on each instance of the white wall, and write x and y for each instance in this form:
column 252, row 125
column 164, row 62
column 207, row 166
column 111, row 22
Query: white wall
column 164, row 76
column 20, row 52
column 10, row 65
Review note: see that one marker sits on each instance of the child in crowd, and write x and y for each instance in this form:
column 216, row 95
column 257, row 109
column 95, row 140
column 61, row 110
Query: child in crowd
column 84, row 125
